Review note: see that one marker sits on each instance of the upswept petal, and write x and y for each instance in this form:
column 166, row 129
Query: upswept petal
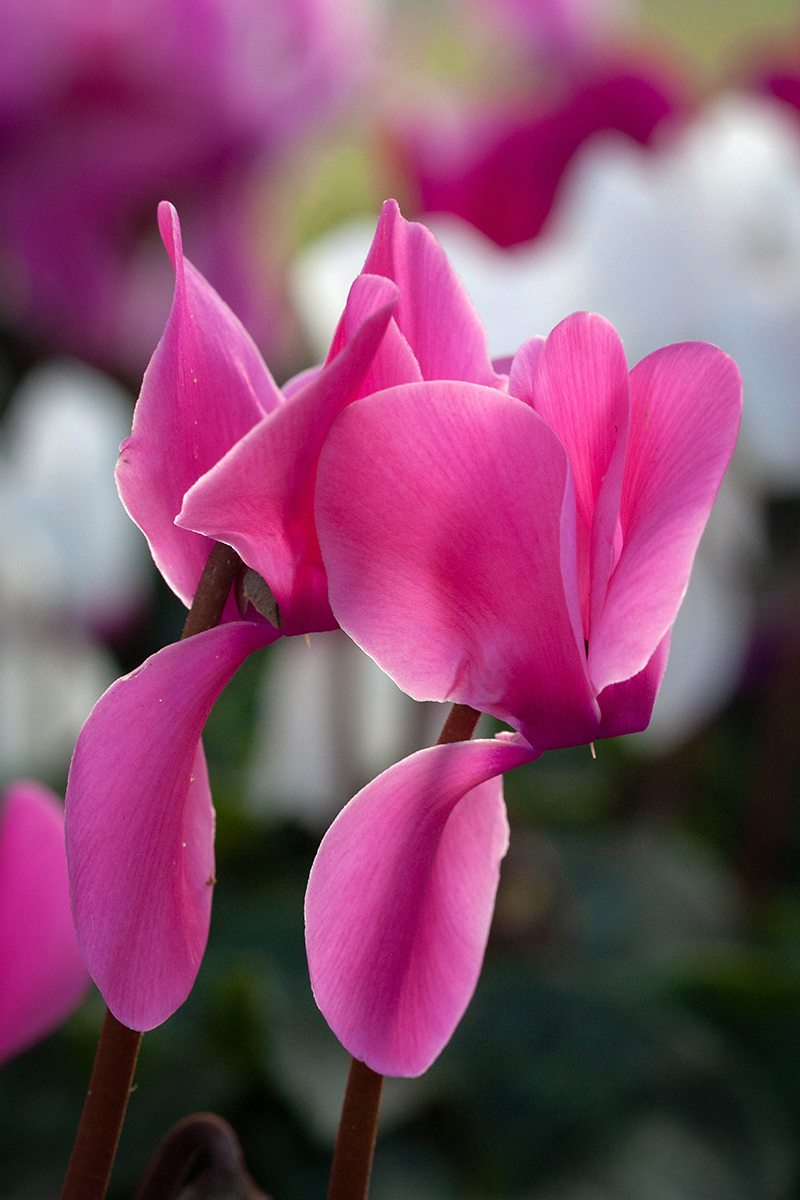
column 442, row 510
column 522, row 369
column 434, row 312
column 686, row 404
column 394, row 361
column 400, row 901
column 205, row 387
column 140, row 824
column 580, row 387
column 626, row 707
column 260, row 497
column 43, row 974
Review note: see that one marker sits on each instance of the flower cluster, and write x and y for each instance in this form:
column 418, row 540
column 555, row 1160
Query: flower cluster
column 517, row 540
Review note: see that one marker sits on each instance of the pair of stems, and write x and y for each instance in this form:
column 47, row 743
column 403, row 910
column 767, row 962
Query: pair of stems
column 95, row 1147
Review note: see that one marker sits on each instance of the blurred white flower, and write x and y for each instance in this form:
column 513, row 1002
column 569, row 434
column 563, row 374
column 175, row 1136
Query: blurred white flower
column 61, row 438
column 329, row 720
column 71, row 562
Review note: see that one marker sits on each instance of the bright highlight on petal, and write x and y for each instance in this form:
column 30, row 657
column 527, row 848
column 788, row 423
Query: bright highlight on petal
column 140, row 824
column 400, row 901
column 43, row 974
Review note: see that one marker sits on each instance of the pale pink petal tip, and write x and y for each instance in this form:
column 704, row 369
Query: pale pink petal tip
column 400, row 901
column 43, row 975
column 170, row 229
column 140, row 824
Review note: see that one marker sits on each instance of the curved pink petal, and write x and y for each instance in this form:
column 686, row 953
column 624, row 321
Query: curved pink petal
column 434, row 312
column 400, row 901
column 260, row 497
column 42, row 972
column 445, row 515
column 205, row 387
column 626, row 707
column 686, row 405
column 580, row 386
column 522, row 369
column 140, row 824
column 394, row 361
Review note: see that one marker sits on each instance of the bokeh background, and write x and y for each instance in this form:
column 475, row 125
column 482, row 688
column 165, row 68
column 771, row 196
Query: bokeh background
column 636, row 1031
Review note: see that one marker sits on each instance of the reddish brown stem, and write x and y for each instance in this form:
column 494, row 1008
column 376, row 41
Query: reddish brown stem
column 219, row 574
column 358, row 1125
column 95, row 1146
column 103, row 1113
column 358, row 1128
column 460, row 724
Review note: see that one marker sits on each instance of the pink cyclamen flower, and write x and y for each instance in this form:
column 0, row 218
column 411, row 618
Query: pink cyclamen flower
column 217, row 446
column 104, row 107
column 43, row 975
column 525, row 554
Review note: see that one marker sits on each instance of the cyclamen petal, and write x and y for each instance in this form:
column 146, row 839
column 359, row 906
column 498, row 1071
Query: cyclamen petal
column 434, row 312
column 140, row 824
column 260, row 497
column 394, row 361
column 400, row 901
column 686, row 407
column 580, row 387
column 445, row 514
column 628, row 706
column 205, row 387
column 43, row 975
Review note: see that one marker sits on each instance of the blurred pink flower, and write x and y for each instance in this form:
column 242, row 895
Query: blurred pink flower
column 525, row 554
column 105, row 107
column 501, row 170
column 43, row 975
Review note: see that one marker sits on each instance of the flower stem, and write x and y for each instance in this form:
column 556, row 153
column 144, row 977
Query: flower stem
column 358, row 1124
column 358, row 1128
column 103, row 1113
column 460, row 724
column 95, row 1146
column 219, row 575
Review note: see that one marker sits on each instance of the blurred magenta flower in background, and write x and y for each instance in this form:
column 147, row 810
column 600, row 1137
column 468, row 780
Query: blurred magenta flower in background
column 501, row 170
column 105, row 108
column 43, row 975
column 493, row 150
